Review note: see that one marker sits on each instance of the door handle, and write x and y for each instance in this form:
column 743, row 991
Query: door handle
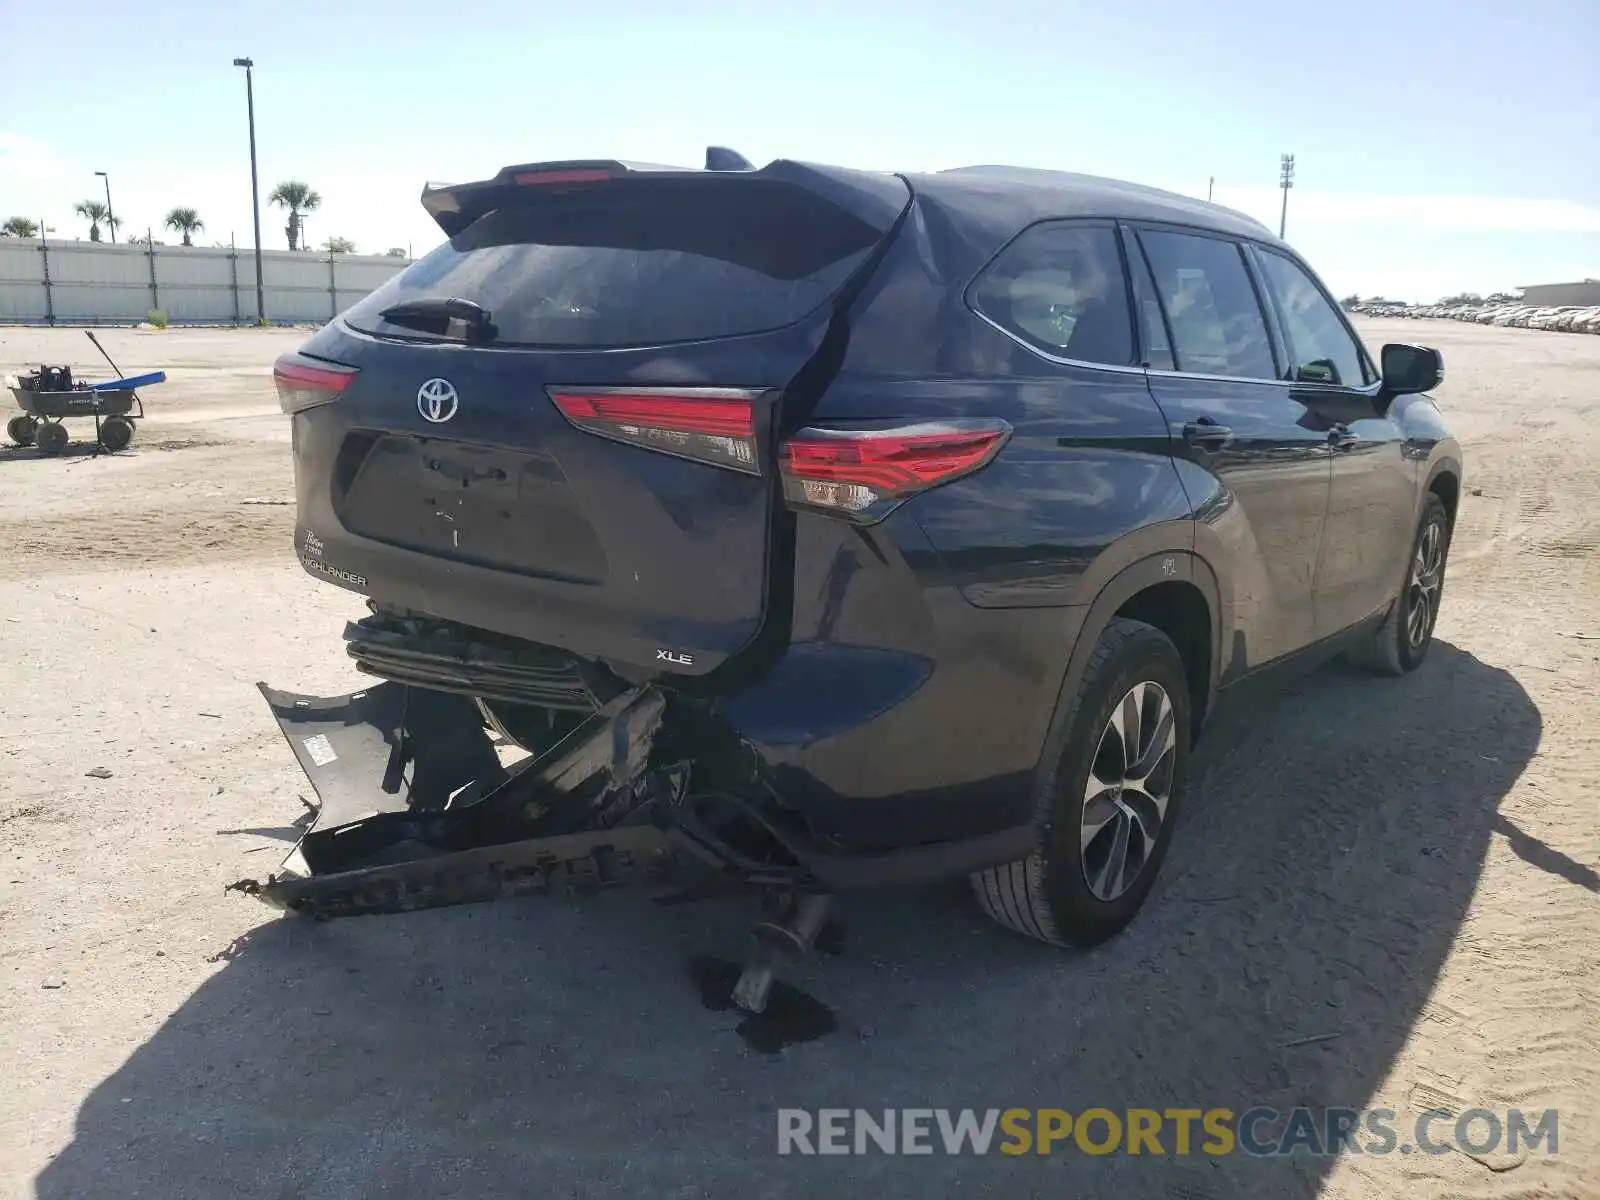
column 1207, row 434
column 1342, row 437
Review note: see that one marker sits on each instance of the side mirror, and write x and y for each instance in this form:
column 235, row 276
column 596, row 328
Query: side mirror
column 1409, row 369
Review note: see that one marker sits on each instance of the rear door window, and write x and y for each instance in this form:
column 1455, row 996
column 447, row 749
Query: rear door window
column 1059, row 287
column 640, row 264
column 1321, row 349
column 1152, row 325
column 1210, row 305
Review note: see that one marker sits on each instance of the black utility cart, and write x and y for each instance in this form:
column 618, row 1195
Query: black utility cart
column 50, row 395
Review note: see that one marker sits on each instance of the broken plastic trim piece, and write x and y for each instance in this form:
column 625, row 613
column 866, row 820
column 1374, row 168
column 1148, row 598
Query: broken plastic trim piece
column 579, row 862
column 417, row 811
column 387, row 748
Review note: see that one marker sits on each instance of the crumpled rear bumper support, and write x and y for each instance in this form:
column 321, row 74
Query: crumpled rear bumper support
column 575, row 861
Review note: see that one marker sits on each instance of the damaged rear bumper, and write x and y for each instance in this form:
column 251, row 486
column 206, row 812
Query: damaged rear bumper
column 417, row 810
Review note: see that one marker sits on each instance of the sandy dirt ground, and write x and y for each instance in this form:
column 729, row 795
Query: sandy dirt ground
column 1383, row 893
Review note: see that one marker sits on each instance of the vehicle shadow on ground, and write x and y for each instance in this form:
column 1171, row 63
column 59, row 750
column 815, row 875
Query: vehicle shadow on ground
column 1330, row 845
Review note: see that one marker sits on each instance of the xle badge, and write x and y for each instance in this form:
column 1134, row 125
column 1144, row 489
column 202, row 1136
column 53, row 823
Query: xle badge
column 678, row 660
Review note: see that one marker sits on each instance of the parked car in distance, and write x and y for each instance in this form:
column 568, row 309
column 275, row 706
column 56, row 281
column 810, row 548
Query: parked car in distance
column 943, row 509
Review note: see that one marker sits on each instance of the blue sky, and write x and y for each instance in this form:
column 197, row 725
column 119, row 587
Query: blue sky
column 1441, row 144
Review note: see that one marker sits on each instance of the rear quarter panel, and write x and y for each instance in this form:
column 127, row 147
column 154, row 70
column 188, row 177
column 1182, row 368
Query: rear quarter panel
column 973, row 594
column 1085, row 484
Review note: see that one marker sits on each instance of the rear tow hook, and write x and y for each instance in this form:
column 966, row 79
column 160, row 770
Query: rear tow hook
column 778, row 944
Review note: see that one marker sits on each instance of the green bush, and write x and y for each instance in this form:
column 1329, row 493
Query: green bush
column 157, row 318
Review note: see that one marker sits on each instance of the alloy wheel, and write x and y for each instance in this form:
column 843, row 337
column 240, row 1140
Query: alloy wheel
column 1422, row 589
column 1125, row 797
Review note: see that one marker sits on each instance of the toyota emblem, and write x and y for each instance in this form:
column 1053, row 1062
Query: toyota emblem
column 437, row 401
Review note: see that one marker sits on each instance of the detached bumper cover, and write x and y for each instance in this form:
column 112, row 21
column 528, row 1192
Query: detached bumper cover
column 416, row 810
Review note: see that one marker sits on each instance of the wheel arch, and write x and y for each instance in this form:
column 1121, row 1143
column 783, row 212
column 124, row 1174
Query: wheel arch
column 1176, row 591
column 1444, row 481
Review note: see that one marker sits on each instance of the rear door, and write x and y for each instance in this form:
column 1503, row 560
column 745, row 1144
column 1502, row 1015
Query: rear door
column 587, row 460
column 1255, row 457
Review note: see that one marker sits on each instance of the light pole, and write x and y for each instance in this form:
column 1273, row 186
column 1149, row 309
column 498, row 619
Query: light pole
column 1285, row 181
column 255, row 186
column 111, row 217
column 1210, row 187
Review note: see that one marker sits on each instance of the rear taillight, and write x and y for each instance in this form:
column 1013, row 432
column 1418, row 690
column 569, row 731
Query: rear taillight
column 865, row 473
column 709, row 425
column 303, row 383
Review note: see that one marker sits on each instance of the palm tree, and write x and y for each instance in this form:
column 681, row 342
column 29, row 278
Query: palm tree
column 298, row 198
column 185, row 221
column 97, row 214
column 19, row 227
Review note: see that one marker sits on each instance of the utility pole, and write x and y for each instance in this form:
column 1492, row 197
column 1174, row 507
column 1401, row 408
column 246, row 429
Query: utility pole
column 255, row 186
column 1210, row 187
column 111, row 217
column 1285, row 181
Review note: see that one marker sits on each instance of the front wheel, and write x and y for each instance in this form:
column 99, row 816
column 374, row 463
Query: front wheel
column 1401, row 643
column 1113, row 774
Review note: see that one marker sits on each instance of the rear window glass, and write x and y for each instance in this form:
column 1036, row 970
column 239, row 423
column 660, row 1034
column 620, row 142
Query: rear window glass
column 642, row 265
column 1152, row 325
column 1060, row 287
column 1211, row 307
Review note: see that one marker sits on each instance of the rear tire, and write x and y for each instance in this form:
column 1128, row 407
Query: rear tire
column 529, row 727
column 51, row 437
column 116, row 433
column 1401, row 643
column 1101, row 824
column 20, row 429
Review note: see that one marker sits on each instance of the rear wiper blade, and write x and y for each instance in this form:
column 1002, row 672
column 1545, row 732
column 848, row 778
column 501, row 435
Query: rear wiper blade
column 448, row 315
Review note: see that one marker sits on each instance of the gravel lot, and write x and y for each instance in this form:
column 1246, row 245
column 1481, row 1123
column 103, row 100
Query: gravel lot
column 1383, row 893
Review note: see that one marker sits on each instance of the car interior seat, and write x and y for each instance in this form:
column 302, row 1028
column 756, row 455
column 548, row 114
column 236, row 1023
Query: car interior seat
column 1101, row 334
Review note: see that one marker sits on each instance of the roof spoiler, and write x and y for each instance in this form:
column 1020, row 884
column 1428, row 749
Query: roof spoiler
column 455, row 206
column 873, row 197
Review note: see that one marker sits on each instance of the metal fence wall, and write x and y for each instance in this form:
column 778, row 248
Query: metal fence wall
column 1581, row 295
column 89, row 283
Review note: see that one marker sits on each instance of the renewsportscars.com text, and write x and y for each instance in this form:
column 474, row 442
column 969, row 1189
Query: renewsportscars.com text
column 1260, row 1131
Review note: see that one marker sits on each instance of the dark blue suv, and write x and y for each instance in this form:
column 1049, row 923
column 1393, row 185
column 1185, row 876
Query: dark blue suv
column 845, row 528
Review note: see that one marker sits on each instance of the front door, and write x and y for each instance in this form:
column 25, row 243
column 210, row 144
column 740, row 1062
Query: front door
column 1372, row 498
column 1251, row 453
